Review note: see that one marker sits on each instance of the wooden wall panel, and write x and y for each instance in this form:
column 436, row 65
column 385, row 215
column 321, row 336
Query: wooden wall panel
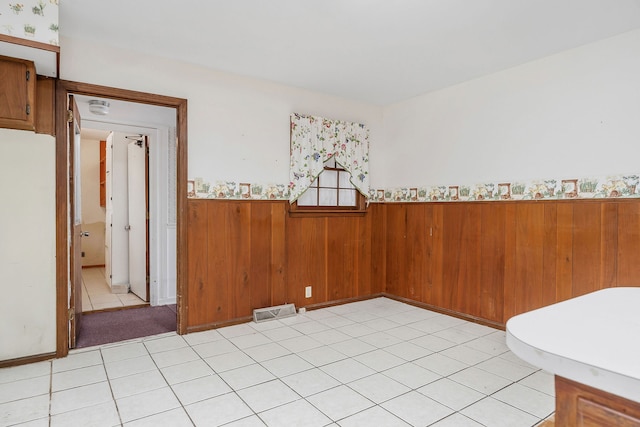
column 586, row 248
column 484, row 260
column 461, row 258
column 529, row 255
column 492, row 261
column 197, row 268
column 628, row 251
column 306, row 260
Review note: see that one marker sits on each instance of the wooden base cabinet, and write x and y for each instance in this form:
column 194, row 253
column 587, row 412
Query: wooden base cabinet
column 583, row 406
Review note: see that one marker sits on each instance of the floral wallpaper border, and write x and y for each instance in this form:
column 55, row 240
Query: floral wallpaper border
column 612, row 186
column 32, row 20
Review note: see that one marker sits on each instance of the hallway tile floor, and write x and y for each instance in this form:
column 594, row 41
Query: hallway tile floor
column 371, row 363
column 96, row 294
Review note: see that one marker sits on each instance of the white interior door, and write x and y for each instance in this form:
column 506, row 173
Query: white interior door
column 108, row 210
column 137, row 186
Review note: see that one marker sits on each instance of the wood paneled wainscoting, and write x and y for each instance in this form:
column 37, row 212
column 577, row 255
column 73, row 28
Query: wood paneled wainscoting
column 486, row 261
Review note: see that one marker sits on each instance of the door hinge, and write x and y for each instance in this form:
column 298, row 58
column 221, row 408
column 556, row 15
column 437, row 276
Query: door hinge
column 28, row 75
column 28, row 109
column 72, row 314
column 69, row 116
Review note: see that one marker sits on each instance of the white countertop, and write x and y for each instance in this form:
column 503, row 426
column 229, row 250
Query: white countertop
column 593, row 339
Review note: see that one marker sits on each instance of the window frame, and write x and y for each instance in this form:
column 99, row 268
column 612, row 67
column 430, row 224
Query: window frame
column 359, row 208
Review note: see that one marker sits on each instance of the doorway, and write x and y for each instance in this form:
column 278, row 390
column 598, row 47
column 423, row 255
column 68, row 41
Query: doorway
column 67, row 314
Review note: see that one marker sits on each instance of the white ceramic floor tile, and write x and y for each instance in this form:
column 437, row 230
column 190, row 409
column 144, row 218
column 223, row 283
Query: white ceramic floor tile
column 268, row 395
column 251, row 421
column 23, row 410
column 80, row 397
column 203, row 337
column 374, row 416
column 330, row 336
column 356, row 330
column 173, row 418
column 77, row 360
column 456, row 420
column 281, row 334
column 22, row 389
column 379, row 360
column 218, row 410
column 137, row 383
column 165, row 344
column 412, row 375
column 103, row 414
column 416, row 409
column 379, row 388
column 236, row 330
column 352, row 347
column 42, row 422
column 298, row 344
column 541, row 381
column 321, row 356
column 310, row 382
column 506, row 369
column 451, row 394
column 381, row 324
column 298, row 413
column 120, row 352
column 174, row 357
column 228, row 361
column 200, row 389
column 340, row 402
column 146, row 404
column 488, row 345
column 405, row 333
column 380, row 339
column 287, row 365
column 408, row 351
column 264, row 352
column 465, row 355
column 308, row 328
column 246, row 376
column 491, row 412
column 133, row 366
column 24, row 372
column 186, row 371
column 455, row 335
column 440, row 364
column 250, row 340
column 527, row 399
column 214, row 348
column 78, row 377
column 480, row 380
column 347, row 370
column 433, row 343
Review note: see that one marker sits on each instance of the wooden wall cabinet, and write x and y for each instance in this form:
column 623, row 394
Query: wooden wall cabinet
column 17, row 93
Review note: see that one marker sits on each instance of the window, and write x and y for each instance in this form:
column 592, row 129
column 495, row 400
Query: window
column 331, row 191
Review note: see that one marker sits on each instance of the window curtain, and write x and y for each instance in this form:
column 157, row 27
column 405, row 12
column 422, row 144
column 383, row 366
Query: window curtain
column 314, row 140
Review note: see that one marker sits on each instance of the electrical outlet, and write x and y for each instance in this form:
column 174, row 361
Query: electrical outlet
column 307, row 292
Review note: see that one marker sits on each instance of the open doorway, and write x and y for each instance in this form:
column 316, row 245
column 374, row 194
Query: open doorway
column 127, row 214
column 166, row 169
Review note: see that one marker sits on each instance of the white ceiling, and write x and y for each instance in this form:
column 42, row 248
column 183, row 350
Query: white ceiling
column 377, row 51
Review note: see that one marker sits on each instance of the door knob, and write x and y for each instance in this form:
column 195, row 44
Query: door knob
column 84, row 234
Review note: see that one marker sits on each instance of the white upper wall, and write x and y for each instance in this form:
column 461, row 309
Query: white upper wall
column 238, row 127
column 571, row 115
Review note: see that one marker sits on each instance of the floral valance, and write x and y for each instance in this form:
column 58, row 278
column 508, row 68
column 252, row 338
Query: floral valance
column 315, row 139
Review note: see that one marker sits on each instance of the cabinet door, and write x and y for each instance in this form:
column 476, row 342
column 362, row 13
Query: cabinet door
column 17, row 93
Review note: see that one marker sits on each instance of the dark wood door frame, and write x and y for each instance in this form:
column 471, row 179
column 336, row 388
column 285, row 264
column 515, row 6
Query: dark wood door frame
column 63, row 89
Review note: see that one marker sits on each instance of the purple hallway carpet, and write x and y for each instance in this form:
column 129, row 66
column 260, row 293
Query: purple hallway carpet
column 113, row 326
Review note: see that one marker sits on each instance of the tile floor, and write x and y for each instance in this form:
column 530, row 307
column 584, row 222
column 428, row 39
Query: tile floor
column 96, row 294
column 371, row 363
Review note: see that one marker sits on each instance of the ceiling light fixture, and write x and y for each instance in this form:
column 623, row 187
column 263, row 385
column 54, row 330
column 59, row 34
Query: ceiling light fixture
column 99, row 107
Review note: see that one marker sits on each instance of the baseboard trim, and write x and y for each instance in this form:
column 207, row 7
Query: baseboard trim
column 448, row 312
column 93, row 266
column 27, row 359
